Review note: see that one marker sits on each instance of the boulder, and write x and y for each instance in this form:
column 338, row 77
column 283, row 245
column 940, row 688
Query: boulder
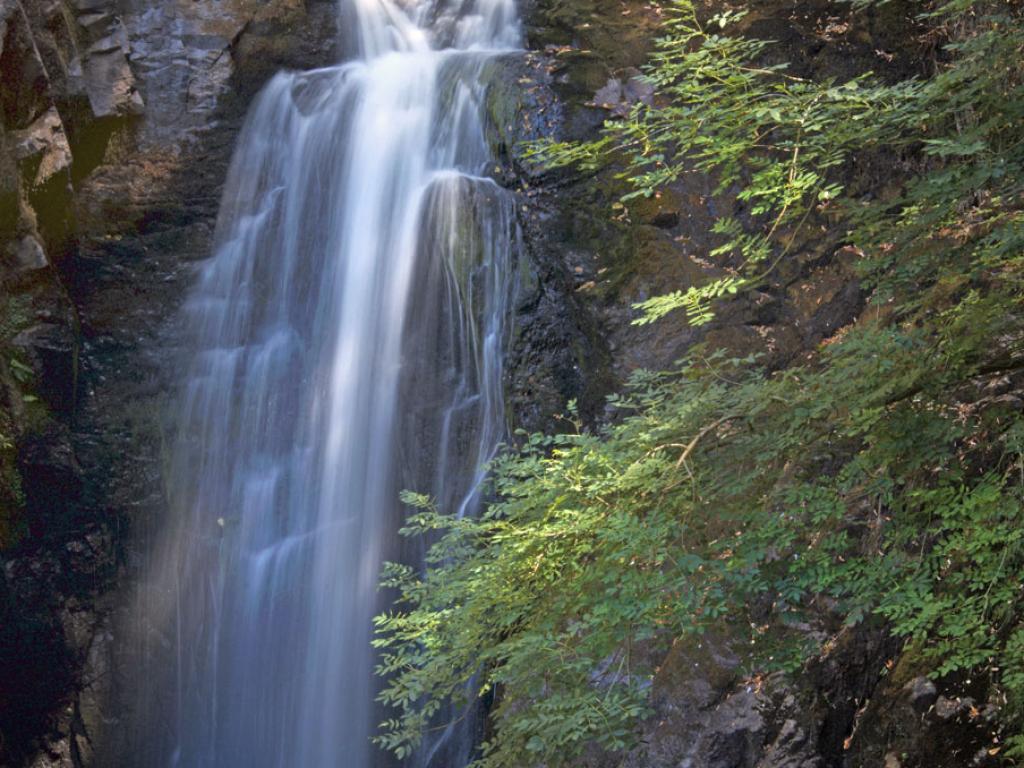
column 43, row 146
column 104, row 72
column 25, row 255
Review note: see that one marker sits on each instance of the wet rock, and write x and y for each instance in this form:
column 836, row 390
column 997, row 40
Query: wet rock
column 665, row 219
column 737, row 732
column 948, row 709
column 921, row 694
column 824, row 300
column 34, row 665
column 620, row 94
column 92, row 706
column 53, row 350
column 920, row 723
column 702, row 718
column 792, row 748
column 26, row 255
column 51, row 481
column 56, row 753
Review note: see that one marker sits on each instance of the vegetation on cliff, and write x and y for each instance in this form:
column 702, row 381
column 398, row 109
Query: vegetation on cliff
column 880, row 481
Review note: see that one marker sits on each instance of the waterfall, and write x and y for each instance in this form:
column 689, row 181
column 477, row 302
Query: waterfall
column 347, row 343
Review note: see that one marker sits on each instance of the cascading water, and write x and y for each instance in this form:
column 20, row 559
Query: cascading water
column 349, row 333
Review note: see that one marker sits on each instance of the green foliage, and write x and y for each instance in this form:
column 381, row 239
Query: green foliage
column 881, row 481
column 782, row 140
column 716, row 490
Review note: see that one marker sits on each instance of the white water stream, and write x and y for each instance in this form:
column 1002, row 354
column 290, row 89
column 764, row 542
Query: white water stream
column 349, row 333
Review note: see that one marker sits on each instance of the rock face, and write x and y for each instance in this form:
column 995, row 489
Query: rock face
column 859, row 703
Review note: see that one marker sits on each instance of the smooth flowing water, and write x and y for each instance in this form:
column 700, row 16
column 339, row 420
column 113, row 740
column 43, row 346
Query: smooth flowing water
column 349, row 332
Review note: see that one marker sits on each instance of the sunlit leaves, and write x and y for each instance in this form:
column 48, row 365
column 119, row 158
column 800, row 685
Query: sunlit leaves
column 879, row 480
